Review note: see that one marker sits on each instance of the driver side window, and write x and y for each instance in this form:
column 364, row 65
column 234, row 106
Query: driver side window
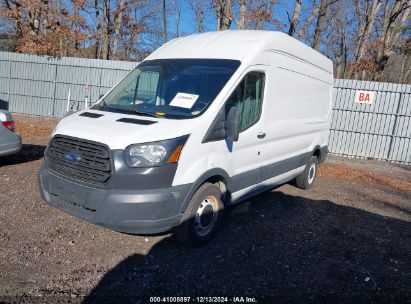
column 142, row 89
column 147, row 86
column 248, row 98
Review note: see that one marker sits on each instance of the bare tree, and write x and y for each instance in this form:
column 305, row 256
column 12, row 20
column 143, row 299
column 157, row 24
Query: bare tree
column 394, row 24
column 308, row 21
column 76, row 15
column 177, row 13
column 198, row 7
column 366, row 39
column 15, row 8
column 243, row 11
column 98, row 29
column 106, row 30
column 141, row 29
column 369, row 17
column 320, row 22
column 405, row 69
column 7, row 4
column 406, row 63
column 335, row 38
column 165, row 22
column 117, row 26
column 259, row 14
column 366, row 13
column 43, row 27
column 294, row 20
column 223, row 11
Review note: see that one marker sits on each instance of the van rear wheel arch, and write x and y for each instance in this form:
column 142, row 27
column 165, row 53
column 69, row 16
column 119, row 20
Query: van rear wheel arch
column 317, row 152
column 320, row 153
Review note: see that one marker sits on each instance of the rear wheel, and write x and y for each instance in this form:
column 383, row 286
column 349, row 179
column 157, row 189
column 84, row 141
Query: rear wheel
column 307, row 178
column 202, row 216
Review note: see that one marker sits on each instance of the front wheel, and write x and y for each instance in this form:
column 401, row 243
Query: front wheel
column 307, row 178
column 202, row 216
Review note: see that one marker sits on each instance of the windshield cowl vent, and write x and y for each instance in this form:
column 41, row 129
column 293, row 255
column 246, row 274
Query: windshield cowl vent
column 91, row 115
column 137, row 121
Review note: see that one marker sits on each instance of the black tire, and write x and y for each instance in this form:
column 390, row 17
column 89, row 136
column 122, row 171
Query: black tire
column 307, row 179
column 205, row 207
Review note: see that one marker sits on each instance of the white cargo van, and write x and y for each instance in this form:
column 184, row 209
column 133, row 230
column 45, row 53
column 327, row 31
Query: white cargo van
column 205, row 121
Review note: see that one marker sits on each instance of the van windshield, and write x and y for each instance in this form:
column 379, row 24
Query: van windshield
column 170, row 88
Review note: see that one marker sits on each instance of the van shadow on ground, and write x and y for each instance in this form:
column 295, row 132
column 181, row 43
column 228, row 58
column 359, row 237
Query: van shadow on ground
column 28, row 153
column 278, row 247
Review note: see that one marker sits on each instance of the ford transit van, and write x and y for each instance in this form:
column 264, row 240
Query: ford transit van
column 205, row 121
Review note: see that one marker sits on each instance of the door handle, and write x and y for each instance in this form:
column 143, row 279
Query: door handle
column 261, row 135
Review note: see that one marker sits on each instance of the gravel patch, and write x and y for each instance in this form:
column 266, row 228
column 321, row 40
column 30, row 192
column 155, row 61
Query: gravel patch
column 346, row 240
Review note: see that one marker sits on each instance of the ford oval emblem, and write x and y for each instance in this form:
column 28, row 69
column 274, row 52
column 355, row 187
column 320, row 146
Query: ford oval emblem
column 72, row 157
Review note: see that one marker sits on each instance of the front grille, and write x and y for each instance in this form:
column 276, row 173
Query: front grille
column 90, row 164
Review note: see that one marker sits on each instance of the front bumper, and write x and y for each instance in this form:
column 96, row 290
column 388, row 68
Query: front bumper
column 129, row 211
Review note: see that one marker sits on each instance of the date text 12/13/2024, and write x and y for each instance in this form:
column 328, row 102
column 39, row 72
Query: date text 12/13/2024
column 203, row 300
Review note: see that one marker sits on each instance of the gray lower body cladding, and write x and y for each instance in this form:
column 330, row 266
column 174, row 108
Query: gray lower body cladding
column 140, row 200
column 128, row 211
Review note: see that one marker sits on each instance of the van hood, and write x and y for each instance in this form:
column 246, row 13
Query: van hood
column 118, row 130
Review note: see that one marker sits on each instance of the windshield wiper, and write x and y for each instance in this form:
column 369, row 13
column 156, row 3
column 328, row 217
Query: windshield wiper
column 99, row 105
column 111, row 109
column 147, row 114
column 104, row 105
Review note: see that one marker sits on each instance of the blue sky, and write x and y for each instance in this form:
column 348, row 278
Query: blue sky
column 188, row 21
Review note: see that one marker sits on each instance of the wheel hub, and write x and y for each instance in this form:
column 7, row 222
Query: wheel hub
column 206, row 216
column 311, row 173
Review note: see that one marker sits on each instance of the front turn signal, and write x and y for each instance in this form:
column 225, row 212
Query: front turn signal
column 175, row 155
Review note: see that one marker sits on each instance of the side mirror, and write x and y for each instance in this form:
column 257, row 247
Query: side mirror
column 233, row 124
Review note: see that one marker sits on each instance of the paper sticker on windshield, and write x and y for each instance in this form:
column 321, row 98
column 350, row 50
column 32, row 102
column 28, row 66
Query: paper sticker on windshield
column 184, row 100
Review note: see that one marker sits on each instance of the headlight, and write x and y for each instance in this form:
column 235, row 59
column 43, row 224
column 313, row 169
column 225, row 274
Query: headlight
column 146, row 155
column 154, row 154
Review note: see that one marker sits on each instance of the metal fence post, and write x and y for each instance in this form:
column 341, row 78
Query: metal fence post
column 55, row 90
column 9, row 88
column 394, row 128
column 99, row 89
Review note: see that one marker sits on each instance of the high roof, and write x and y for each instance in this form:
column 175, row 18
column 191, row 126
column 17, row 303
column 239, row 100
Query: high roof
column 239, row 45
